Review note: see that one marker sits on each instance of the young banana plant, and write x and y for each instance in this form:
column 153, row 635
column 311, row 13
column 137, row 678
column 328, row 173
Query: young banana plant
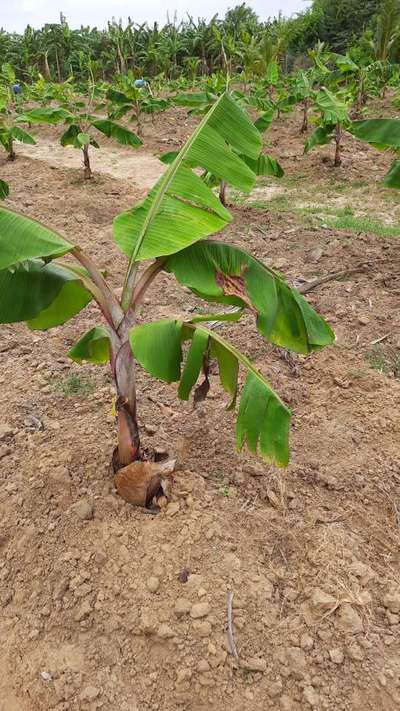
column 10, row 131
column 383, row 134
column 128, row 98
column 80, row 122
column 333, row 120
column 169, row 231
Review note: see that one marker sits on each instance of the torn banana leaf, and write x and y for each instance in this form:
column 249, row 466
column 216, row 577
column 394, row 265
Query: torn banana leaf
column 263, row 419
column 222, row 273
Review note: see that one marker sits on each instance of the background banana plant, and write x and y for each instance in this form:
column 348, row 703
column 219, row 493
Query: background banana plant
column 170, row 231
column 128, row 98
column 80, row 120
column 10, row 130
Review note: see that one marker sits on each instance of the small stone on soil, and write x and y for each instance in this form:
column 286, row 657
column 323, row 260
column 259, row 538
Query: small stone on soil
column 182, row 606
column 153, row 584
column 256, row 664
column 200, row 609
column 336, row 655
column 84, row 509
column 349, row 619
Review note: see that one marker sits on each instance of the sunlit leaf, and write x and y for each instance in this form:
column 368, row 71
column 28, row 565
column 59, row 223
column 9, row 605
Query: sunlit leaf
column 119, row 133
column 169, row 220
column 93, row 347
column 22, row 238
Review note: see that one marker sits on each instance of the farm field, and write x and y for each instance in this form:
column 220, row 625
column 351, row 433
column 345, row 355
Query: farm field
column 105, row 607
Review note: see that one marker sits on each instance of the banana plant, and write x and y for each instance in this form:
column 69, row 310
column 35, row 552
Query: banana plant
column 170, row 231
column 10, row 131
column 80, row 122
column 127, row 98
column 333, row 120
column 302, row 93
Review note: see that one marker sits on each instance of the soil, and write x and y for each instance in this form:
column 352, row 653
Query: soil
column 103, row 607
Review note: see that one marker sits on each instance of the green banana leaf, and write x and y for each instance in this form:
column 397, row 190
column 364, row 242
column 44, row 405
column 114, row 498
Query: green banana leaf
column 222, row 273
column 22, row 238
column 45, row 115
column 263, row 420
column 173, row 216
column 20, row 135
column 320, row 137
column 70, row 136
column 381, row 132
column 333, row 109
column 119, row 133
column 45, row 295
column 265, row 165
column 392, row 179
column 72, row 298
column 93, row 347
column 264, row 121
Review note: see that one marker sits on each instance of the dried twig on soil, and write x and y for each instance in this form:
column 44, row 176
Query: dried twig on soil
column 231, row 639
column 379, row 340
column 305, row 288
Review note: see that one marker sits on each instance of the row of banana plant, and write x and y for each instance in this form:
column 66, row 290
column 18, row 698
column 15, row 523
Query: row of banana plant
column 332, row 93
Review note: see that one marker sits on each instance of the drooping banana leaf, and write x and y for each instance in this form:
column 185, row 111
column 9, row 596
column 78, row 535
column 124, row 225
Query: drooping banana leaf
column 22, row 238
column 222, row 273
column 70, row 136
column 392, row 179
column 46, row 115
column 71, row 299
column 380, row 132
column 173, row 217
column 264, row 121
column 263, row 419
column 200, row 101
column 93, row 347
column 320, row 137
column 45, row 295
column 23, row 136
column 119, row 133
column 333, row 109
column 265, row 165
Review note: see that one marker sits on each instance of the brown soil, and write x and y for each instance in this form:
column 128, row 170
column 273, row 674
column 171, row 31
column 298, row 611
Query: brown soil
column 106, row 608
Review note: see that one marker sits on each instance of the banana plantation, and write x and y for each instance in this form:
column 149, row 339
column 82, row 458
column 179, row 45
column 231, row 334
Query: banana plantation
column 199, row 290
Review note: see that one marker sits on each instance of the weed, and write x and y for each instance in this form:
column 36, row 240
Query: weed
column 359, row 184
column 385, row 361
column 75, row 385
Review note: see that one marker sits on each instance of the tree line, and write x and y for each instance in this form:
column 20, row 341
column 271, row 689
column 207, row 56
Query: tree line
column 368, row 29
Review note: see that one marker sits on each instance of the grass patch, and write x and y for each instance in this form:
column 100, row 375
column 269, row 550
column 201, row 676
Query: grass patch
column 335, row 218
column 75, row 385
column 377, row 360
column 359, row 184
column 346, row 221
column 385, row 361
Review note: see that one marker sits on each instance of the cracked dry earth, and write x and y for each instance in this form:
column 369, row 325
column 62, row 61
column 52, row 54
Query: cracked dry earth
column 103, row 607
